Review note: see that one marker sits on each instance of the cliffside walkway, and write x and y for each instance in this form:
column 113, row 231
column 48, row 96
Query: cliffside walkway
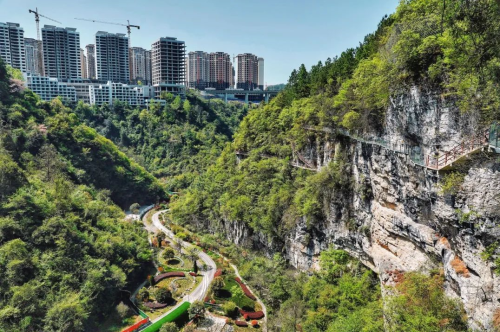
column 437, row 161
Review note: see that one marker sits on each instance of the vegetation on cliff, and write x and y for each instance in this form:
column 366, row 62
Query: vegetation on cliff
column 65, row 249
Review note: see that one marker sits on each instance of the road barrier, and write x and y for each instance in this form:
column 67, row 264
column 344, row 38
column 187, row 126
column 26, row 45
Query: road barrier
column 175, row 315
column 137, row 325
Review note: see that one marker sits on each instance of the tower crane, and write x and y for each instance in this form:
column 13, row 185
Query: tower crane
column 37, row 20
column 128, row 25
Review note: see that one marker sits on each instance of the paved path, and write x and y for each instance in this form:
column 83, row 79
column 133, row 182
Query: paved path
column 200, row 292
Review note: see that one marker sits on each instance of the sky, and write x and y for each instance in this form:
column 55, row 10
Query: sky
column 286, row 33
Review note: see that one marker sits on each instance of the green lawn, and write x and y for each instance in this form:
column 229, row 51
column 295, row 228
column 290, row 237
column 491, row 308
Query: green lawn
column 242, row 301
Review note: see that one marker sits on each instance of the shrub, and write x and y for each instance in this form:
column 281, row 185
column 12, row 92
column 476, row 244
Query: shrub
column 240, row 323
column 143, row 294
column 218, row 273
column 163, row 295
column 123, row 310
column 245, row 289
column 252, row 315
column 351, row 120
column 169, row 327
column 255, row 323
column 229, row 308
column 168, row 253
column 451, row 183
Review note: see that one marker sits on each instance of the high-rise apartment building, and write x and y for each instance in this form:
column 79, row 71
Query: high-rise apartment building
column 140, row 65
column 12, row 49
column 198, row 70
column 112, row 57
column 83, row 63
column 260, row 73
column 221, row 70
column 168, row 65
column 248, row 71
column 34, row 56
column 61, row 52
column 91, row 72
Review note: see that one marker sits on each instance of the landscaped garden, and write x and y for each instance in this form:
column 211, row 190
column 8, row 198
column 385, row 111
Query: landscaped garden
column 228, row 296
column 175, row 278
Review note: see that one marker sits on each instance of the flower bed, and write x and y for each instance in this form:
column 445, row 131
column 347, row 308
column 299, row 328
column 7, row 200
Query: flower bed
column 252, row 315
column 218, row 273
column 137, row 325
column 241, row 323
column 168, row 275
column 153, row 305
column 245, row 289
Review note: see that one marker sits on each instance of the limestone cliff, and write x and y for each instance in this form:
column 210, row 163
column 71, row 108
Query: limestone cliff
column 395, row 218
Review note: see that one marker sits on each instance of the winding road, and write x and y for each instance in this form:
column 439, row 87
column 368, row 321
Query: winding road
column 200, row 292
column 208, row 276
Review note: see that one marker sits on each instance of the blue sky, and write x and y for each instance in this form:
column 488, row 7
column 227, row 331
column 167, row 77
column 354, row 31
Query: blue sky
column 285, row 33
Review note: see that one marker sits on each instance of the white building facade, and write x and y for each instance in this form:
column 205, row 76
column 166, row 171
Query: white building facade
column 49, row 88
column 112, row 57
column 12, row 49
column 61, row 52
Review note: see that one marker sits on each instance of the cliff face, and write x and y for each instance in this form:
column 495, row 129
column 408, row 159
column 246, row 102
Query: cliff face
column 395, row 219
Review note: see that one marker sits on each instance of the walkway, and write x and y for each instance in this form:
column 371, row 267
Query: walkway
column 438, row 161
column 264, row 309
column 200, row 292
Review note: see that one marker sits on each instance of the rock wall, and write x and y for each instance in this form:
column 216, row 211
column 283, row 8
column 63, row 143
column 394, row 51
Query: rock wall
column 395, row 219
column 405, row 224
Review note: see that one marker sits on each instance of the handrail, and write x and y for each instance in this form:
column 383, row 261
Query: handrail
column 437, row 162
column 458, row 151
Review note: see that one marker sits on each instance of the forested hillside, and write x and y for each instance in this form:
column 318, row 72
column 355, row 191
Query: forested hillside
column 454, row 50
column 177, row 141
column 446, row 49
column 65, row 249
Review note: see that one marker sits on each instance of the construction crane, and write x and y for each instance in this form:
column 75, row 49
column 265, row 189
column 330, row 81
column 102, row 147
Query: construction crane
column 128, row 25
column 37, row 20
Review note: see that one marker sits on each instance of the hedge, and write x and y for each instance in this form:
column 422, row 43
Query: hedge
column 171, row 317
column 245, row 289
column 252, row 315
column 153, row 305
column 241, row 323
column 168, row 275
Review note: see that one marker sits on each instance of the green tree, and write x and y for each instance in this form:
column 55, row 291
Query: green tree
column 123, row 310
column 163, row 295
column 218, row 284
column 230, row 309
column 169, row 327
column 143, row 294
column 168, row 253
column 67, row 315
column 197, row 310
column 420, row 304
column 177, row 103
column 134, row 208
column 192, row 253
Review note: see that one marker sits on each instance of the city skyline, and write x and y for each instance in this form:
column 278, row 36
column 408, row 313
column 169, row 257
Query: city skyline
column 226, row 33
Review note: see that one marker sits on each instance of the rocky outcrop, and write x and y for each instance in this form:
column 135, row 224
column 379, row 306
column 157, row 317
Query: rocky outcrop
column 405, row 224
column 395, row 219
